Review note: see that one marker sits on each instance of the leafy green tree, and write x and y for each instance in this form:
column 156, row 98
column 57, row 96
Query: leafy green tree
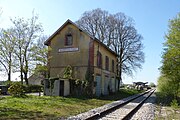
column 7, row 45
column 40, row 56
column 165, row 86
column 152, row 84
column 27, row 31
column 171, row 57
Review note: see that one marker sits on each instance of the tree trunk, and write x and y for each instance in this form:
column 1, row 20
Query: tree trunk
column 9, row 73
column 9, row 76
column 21, row 72
column 26, row 72
column 9, row 67
column 21, row 77
column 120, row 76
column 21, row 65
column 26, row 78
column 120, row 68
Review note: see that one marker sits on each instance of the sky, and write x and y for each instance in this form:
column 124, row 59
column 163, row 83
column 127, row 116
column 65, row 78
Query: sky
column 151, row 19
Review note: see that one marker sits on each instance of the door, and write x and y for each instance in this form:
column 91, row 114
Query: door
column 113, row 84
column 98, row 85
column 117, row 85
column 106, row 85
column 61, row 88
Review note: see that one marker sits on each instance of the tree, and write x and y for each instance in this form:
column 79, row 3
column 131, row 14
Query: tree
column 152, row 84
column 7, row 44
column 26, row 31
column 127, row 44
column 96, row 23
column 171, row 56
column 165, row 86
column 117, row 31
column 41, row 56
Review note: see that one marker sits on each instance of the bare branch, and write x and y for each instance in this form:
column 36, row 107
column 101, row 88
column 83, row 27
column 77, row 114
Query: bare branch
column 117, row 31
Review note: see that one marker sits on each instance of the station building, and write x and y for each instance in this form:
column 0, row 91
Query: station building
column 72, row 46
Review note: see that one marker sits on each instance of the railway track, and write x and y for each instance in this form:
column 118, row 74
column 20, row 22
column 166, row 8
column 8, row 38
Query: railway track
column 128, row 110
column 121, row 111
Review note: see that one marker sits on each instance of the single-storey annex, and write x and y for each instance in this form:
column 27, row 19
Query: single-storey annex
column 72, row 46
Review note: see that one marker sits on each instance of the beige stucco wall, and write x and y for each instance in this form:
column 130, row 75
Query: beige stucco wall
column 35, row 79
column 106, row 76
column 77, row 59
column 104, row 52
column 56, row 88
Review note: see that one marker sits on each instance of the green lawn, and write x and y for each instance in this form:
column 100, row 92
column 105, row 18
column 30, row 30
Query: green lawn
column 44, row 107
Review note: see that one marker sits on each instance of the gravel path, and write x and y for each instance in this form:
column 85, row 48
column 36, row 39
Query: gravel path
column 99, row 110
column 115, row 115
column 124, row 110
column 147, row 111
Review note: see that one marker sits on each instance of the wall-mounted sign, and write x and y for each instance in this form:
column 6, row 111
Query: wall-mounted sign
column 68, row 49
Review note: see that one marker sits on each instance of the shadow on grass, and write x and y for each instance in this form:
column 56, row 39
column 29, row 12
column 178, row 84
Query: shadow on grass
column 123, row 93
column 66, row 100
column 10, row 113
column 164, row 100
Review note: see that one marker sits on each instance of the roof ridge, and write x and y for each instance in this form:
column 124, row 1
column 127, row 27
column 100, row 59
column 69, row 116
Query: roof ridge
column 80, row 28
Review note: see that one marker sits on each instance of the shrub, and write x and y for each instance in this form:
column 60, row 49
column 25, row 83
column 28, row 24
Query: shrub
column 16, row 89
column 174, row 104
column 152, row 84
column 33, row 88
column 165, row 86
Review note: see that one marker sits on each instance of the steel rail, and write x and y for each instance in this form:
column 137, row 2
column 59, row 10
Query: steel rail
column 133, row 111
column 103, row 113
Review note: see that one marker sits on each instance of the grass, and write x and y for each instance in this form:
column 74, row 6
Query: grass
column 46, row 107
column 164, row 110
column 167, row 113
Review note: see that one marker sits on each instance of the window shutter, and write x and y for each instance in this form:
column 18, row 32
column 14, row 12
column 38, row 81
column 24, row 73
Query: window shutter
column 112, row 65
column 99, row 60
column 107, row 63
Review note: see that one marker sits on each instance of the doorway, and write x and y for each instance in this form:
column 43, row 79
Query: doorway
column 61, row 88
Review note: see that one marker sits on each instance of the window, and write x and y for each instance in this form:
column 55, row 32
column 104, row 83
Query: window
column 107, row 63
column 112, row 65
column 68, row 40
column 99, row 60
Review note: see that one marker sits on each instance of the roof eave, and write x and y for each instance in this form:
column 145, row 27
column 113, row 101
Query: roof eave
column 47, row 42
column 106, row 47
column 68, row 21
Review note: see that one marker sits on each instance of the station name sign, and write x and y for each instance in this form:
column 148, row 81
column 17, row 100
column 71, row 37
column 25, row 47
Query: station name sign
column 68, row 49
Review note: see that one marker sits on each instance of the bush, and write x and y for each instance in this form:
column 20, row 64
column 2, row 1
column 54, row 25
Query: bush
column 174, row 104
column 16, row 89
column 163, row 99
column 165, row 86
column 33, row 88
column 152, row 84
